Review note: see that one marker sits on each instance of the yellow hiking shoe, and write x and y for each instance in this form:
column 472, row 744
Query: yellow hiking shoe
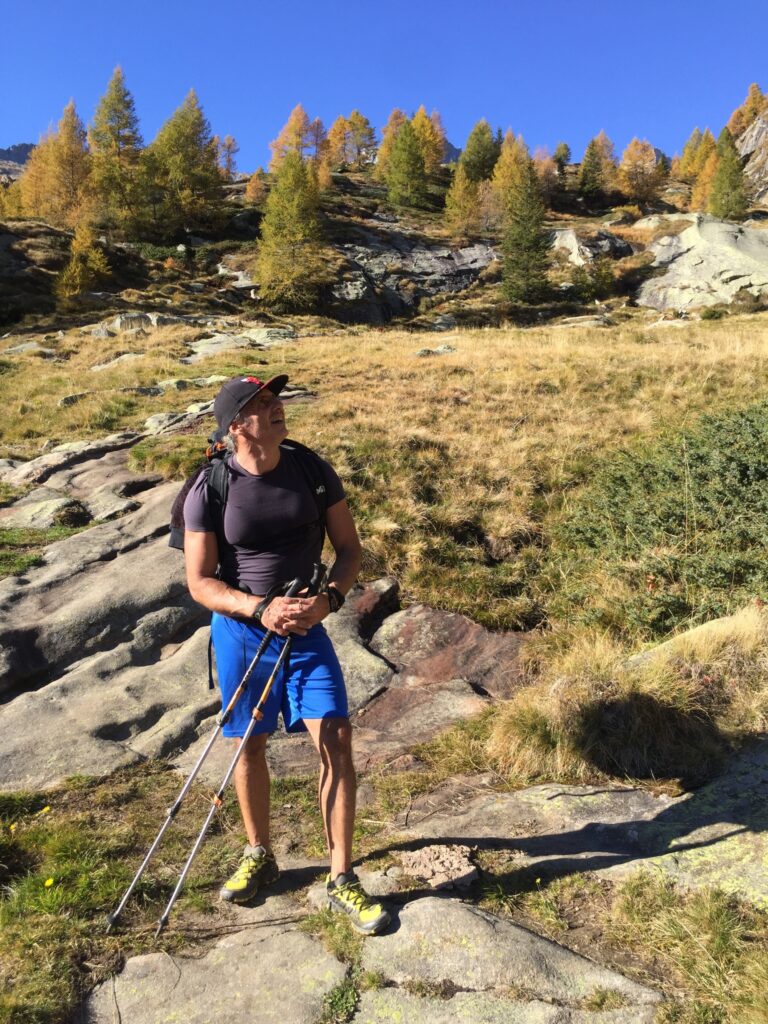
column 257, row 867
column 347, row 896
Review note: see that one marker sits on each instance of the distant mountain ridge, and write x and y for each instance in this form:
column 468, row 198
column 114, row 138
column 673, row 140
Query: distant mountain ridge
column 17, row 154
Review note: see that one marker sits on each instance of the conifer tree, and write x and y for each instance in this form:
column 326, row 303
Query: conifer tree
column 562, row 157
column 546, row 172
column 512, row 164
column 10, row 201
column 640, row 174
column 352, row 141
column 337, row 142
column 182, row 173
column 607, row 159
column 527, row 243
column 318, row 141
column 754, row 105
column 480, row 153
column 361, row 141
column 598, row 168
column 116, row 144
column 437, row 125
column 406, row 177
column 55, row 181
column 462, row 208
column 228, row 150
column 591, row 173
column 87, row 266
column 686, row 167
column 256, row 189
column 431, row 143
column 289, row 266
column 727, row 198
column 704, row 180
column 294, row 137
column 703, row 152
column 396, row 120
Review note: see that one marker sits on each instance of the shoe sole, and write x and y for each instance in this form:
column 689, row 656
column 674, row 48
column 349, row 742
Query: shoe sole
column 374, row 929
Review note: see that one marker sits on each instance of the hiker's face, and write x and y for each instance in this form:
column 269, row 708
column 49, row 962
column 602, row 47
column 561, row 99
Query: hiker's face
column 261, row 419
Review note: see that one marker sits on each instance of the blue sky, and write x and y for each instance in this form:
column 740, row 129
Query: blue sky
column 550, row 69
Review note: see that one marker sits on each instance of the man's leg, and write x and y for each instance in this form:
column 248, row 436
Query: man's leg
column 252, row 788
column 333, row 739
column 257, row 866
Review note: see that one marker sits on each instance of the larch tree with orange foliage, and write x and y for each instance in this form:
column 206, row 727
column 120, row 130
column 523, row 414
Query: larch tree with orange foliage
column 54, row 184
column 294, row 137
column 394, row 123
column 754, row 105
column 640, row 175
column 431, row 142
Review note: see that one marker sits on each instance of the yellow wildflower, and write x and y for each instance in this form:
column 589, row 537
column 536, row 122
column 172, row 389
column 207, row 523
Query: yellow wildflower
column 48, row 883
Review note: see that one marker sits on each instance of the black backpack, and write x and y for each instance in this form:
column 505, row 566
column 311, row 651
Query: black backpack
column 217, row 456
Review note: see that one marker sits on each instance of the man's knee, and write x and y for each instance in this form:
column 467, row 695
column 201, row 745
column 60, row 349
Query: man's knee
column 336, row 740
column 255, row 749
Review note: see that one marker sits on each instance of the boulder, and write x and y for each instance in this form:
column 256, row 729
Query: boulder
column 442, row 943
column 583, row 249
column 428, row 646
column 272, row 974
column 126, row 357
column 708, row 263
column 130, row 322
column 43, row 508
column 31, row 348
column 247, row 338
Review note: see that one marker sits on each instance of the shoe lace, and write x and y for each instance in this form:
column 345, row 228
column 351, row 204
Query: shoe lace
column 248, row 866
column 353, row 893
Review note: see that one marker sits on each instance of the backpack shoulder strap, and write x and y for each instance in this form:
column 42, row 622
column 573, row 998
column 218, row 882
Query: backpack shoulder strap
column 218, row 489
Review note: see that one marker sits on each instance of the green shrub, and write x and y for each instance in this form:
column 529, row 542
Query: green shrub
column 666, row 536
column 713, row 313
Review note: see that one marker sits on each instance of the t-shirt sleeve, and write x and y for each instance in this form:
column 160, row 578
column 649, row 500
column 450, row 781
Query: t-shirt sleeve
column 197, row 513
column 334, row 488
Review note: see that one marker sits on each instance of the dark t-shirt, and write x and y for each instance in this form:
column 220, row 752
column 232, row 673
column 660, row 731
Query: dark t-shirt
column 271, row 522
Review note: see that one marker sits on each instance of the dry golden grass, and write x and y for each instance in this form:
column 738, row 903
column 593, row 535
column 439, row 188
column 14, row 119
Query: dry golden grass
column 452, row 463
column 669, row 713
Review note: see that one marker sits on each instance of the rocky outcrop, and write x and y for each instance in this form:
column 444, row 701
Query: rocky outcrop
column 753, row 145
column 465, row 965
column 707, row 263
column 583, row 249
column 103, row 651
column 386, row 273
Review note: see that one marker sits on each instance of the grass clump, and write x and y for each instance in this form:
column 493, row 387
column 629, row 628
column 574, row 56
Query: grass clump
column 175, row 457
column 671, row 713
column 22, row 548
column 709, row 942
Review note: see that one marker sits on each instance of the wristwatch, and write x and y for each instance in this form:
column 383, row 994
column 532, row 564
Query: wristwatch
column 335, row 598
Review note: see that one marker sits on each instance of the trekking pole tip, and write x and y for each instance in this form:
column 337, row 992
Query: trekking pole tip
column 111, row 918
column 160, row 925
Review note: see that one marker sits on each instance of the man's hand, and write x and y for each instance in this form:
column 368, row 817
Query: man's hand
column 298, row 615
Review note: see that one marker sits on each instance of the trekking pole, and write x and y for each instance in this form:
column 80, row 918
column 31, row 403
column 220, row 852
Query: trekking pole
column 256, row 716
column 221, row 720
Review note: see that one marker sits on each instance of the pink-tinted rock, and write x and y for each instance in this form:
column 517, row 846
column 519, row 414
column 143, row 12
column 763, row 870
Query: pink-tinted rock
column 434, row 645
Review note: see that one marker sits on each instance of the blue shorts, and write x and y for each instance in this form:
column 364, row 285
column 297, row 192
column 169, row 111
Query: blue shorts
column 310, row 686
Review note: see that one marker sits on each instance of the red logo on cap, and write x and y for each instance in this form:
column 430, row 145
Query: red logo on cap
column 251, row 380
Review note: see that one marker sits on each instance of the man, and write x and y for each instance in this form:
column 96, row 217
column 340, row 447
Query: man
column 272, row 532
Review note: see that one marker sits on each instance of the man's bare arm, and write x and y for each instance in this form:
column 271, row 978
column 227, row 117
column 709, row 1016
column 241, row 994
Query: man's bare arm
column 201, row 555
